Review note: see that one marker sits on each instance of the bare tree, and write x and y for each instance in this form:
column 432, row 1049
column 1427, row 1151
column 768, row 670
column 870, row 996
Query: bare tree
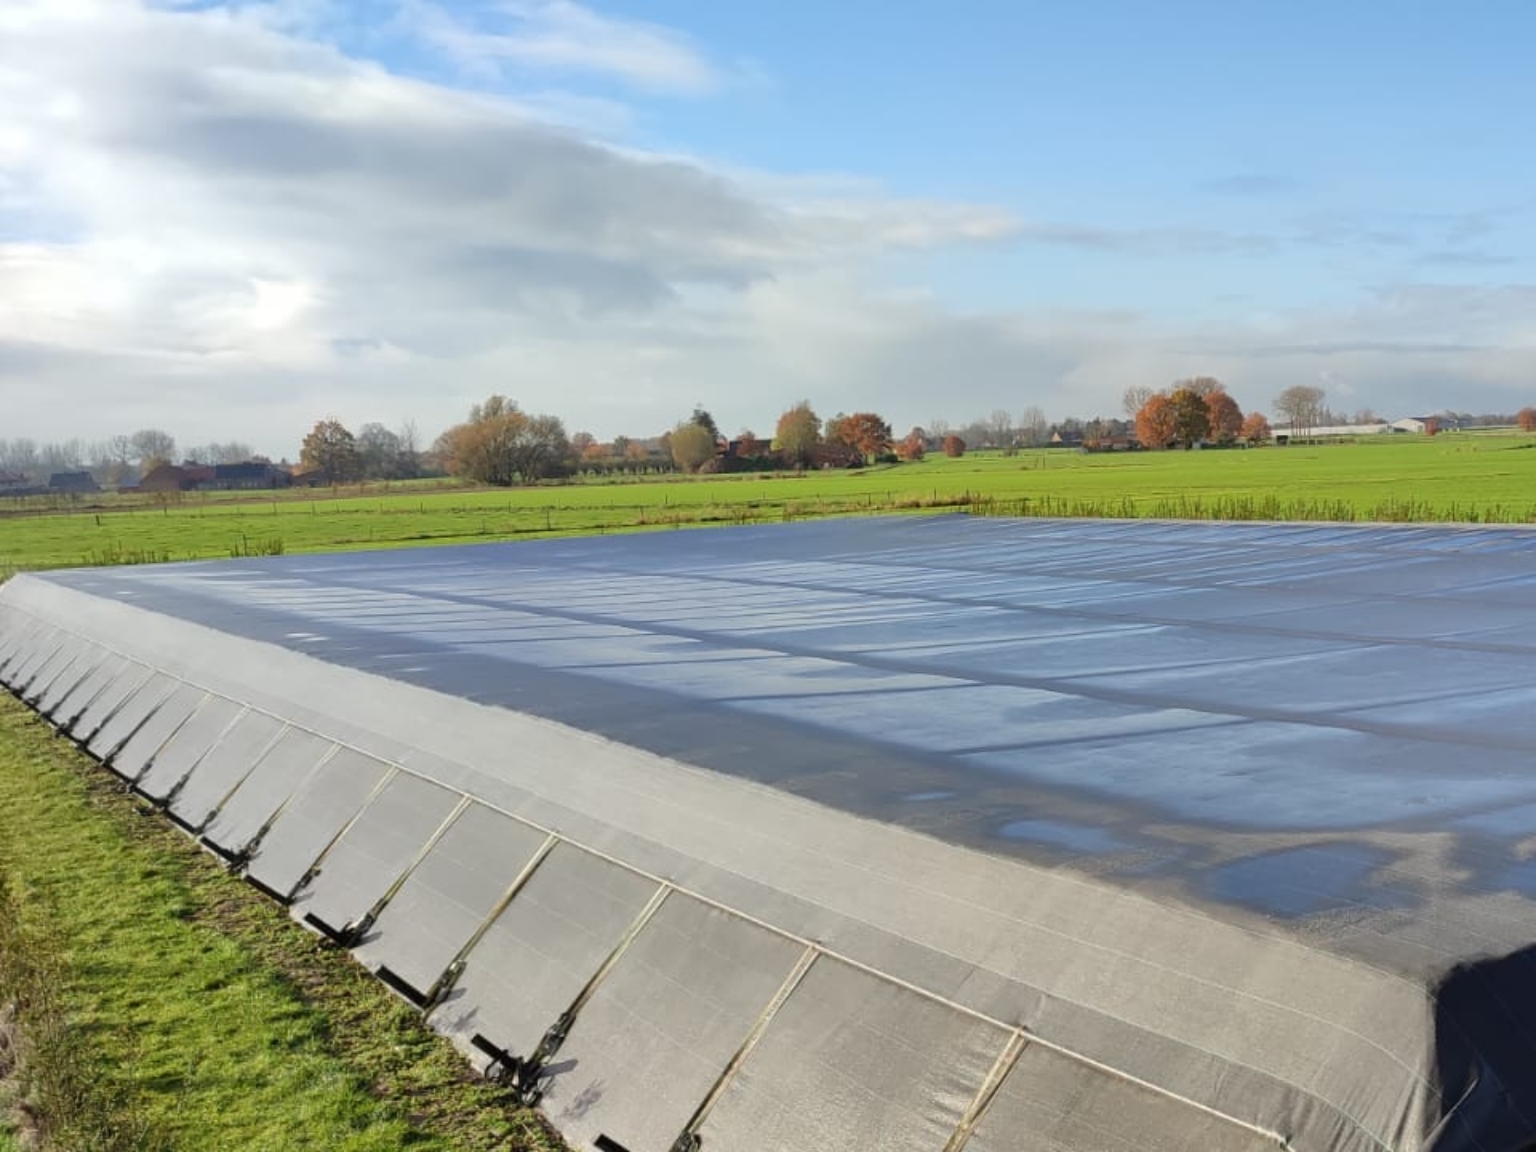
column 410, row 450
column 19, row 456
column 1300, row 405
column 1201, row 386
column 119, row 449
column 1033, row 427
column 153, row 446
column 1000, row 428
column 65, row 456
column 378, row 453
column 1134, row 399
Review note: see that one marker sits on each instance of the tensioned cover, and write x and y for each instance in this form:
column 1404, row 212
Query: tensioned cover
column 924, row 833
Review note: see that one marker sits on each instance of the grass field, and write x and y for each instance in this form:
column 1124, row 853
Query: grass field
column 208, row 1018
column 1475, row 477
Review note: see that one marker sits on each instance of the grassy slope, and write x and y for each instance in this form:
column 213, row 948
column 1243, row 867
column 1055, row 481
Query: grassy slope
column 1478, row 476
column 241, row 1030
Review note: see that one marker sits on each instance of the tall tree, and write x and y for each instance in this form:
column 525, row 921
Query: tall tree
column 1526, row 418
column 866, row 432
column 330, row 450
column 914, row 446
column 797, row 434
column 1226, row 418
column 1191, row 417
column 692, row 446
column 1156, row 422
column 153, row 446
column 379, row 453
column 704, row 420
column 1000, row 428
column 501, row 444
column 410, row 450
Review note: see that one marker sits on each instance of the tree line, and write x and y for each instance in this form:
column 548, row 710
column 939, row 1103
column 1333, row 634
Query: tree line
column 116, row 460
column 500, row 443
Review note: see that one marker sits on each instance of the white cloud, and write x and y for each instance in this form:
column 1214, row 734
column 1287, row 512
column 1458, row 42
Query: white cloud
column 562, row 36
column 238, row 205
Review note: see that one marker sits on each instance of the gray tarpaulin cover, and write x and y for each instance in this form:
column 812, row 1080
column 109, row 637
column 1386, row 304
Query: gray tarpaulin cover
column 931, row 834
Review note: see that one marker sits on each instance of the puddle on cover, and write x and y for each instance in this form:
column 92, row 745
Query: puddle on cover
column 1086, row 838
column 1302, row 881
column 925, row 797
column 1521, row 877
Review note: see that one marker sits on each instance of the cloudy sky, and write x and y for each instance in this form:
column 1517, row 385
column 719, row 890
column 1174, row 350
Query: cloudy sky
column 231, row 219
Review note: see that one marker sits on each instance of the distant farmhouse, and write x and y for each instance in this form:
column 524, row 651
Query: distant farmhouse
column 72, row 482
column 172, row 478
column 1412, row 425
column 253, row 475
column 1423, row 424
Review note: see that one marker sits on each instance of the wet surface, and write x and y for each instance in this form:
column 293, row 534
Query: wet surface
column 1300, row 881
column 1085, row 838
column 985, row 680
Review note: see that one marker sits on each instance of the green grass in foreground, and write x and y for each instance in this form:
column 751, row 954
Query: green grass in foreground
column 222, row 1023
column 1477, row 478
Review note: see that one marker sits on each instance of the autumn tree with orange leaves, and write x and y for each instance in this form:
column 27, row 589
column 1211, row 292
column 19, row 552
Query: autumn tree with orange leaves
column 913, row 446
column 1157, row 423
column 1256, row 428
column 1225, row 417
column 864, row 431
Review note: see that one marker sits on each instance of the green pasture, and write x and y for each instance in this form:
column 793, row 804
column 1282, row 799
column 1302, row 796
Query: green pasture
column 1477, row 477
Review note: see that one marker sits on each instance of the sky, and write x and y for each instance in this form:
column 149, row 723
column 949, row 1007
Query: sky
column 231, row 219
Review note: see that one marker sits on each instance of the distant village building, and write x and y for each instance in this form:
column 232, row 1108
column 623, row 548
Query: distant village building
column 253, row 474
column 167, row 478
column 73, row 482
column 835, row 454
column 11, row 481
column 1422, row 424
column 1112, row 444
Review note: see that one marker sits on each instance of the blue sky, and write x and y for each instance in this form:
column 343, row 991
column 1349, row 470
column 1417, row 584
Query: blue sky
column 387, row 209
